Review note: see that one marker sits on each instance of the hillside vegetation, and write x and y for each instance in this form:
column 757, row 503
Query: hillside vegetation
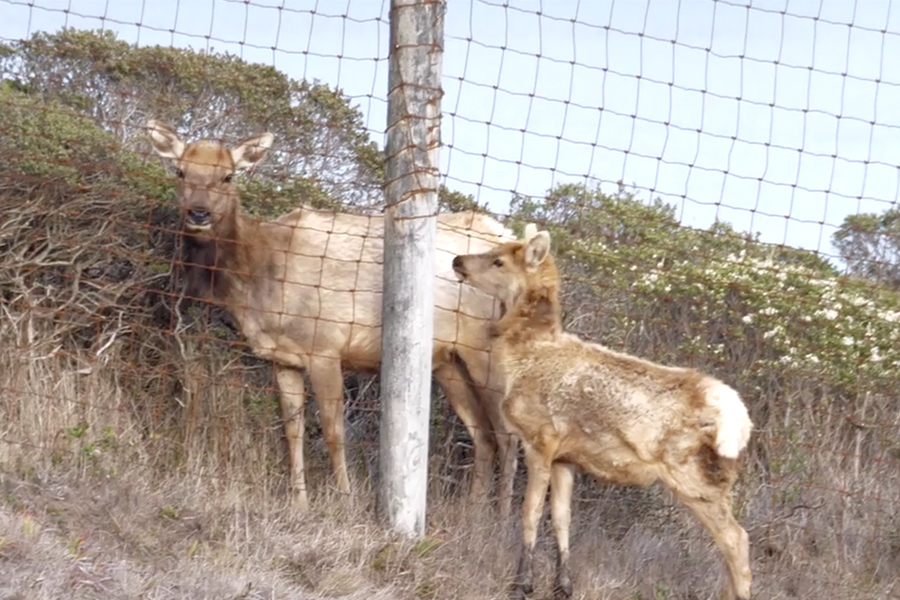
column 140, row 444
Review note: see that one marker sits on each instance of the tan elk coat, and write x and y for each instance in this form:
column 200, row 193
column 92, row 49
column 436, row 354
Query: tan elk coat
column 305, row 290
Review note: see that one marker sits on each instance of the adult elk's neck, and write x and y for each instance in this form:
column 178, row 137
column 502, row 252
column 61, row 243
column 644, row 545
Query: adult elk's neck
column 213, row 264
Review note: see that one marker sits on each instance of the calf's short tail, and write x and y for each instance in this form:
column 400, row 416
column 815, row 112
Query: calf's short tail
column 733, row 424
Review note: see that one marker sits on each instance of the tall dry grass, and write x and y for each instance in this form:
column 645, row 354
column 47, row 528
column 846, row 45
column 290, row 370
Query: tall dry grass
column 150, row 463
column 113, row 490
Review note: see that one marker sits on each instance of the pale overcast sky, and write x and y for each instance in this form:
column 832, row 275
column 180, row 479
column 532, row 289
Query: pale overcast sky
column 780, row 118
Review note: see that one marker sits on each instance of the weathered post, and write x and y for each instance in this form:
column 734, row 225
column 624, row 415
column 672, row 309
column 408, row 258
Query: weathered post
column 411, row 191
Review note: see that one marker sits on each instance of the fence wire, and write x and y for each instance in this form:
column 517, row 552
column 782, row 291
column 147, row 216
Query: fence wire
column 719, row 180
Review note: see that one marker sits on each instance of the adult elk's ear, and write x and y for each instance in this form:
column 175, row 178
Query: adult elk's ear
column 164, row 140
column 251, row 150
column 537, row 249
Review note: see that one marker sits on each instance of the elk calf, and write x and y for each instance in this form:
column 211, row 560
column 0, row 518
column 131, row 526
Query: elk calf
column 622, row 419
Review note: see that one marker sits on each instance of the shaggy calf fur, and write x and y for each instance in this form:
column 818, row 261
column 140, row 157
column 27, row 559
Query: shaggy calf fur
column 622, row 419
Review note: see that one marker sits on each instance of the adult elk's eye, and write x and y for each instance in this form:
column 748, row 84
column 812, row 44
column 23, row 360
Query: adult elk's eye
column 498, row 262
column 179, row 173
column 227, row 178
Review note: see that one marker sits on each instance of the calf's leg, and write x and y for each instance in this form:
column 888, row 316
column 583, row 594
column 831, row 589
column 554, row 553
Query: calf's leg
column 709, row 498
column 508, row 445
column 716, row 515
column 562, row 477
column 538, row 461
column 485, row 375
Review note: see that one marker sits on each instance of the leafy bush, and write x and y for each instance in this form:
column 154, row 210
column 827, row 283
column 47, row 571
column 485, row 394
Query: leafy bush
column 74, row 246
column 319, row 135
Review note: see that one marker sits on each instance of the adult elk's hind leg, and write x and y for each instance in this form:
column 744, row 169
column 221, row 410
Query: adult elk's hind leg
column 562, row 478
column 460, row 397
column 328, row 386
column 292, row 398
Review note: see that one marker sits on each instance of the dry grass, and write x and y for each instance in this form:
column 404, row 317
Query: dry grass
column 96, row 504
column 139, row 458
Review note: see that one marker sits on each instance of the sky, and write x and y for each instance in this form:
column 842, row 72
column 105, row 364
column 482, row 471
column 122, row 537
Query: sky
column 780, row 117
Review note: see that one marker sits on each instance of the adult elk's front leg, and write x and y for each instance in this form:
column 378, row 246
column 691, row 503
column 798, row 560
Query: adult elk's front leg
column 328, row 386
column 292, row 397
column 471, row 413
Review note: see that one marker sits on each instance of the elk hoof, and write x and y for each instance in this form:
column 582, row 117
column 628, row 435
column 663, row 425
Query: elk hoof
column 299, row 501
column 524, row 583
column 563, row 588
column 520, row 591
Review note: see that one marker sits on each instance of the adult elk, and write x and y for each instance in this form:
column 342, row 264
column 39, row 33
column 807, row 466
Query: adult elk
column 305, row 290
column 622, row 419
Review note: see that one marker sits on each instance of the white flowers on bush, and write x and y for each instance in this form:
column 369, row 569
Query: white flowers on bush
column 891, row 316
column 829, row 324
column 773, row 332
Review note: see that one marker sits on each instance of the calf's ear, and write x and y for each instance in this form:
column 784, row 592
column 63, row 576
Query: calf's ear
column 537, row 249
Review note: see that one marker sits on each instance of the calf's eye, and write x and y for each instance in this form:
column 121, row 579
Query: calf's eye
column 498, row 262
column 227, row 178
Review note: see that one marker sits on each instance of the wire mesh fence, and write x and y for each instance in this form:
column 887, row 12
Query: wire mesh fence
column 719, row 180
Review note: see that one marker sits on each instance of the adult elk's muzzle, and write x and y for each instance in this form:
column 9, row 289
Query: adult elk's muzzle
column 459, row 268
column 197, row 217
column 196, row 208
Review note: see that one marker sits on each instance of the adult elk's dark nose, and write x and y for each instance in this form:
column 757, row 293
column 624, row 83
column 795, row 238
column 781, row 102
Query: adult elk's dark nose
column 458, row 265
column 198, row 217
